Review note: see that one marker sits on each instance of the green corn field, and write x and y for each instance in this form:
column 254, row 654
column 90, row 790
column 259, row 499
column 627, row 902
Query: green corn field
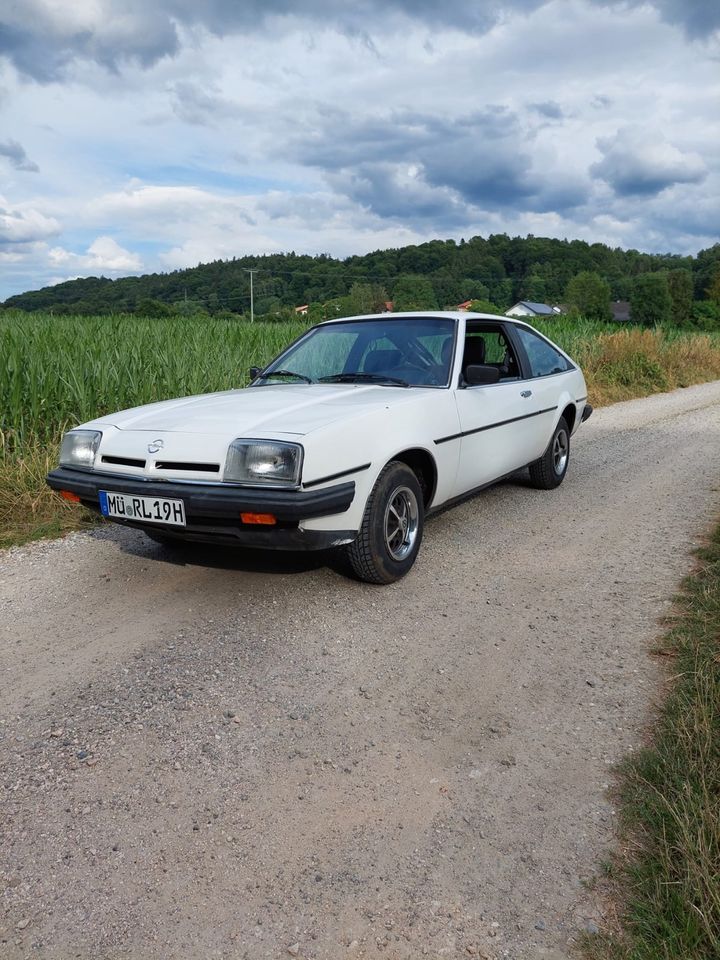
column 57, row 372
column 60, row 371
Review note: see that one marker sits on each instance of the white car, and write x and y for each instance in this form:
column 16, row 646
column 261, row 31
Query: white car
column 350, row 438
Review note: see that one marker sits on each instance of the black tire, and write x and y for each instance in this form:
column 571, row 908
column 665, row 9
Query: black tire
column 392, row 527
column 549, row 471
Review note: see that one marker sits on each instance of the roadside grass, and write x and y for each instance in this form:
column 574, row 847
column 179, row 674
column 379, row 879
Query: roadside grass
column 665, row 882
column 626, row 364
column 61, row 371
column 29, row 509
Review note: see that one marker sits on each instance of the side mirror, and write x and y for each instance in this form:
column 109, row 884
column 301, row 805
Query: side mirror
column 255, row 372
column 478, row 374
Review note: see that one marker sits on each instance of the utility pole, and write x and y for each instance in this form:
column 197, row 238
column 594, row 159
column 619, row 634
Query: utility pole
column 252, row 300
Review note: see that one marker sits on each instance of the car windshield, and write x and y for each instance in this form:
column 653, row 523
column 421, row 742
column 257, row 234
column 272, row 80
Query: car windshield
column 399, row 352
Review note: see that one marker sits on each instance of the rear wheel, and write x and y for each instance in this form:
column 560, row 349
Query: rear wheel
column 549, row 471
column 392, row 527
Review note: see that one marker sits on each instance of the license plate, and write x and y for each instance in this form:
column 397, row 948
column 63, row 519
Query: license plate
column 147, row 509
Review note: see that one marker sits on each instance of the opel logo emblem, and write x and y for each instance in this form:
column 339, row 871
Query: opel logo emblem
column 156, row 446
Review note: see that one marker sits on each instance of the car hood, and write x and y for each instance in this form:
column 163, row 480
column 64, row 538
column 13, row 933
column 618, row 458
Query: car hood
column 276, row 408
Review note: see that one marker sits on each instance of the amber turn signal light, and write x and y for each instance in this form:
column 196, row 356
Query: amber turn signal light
column 266, row 519
column 72, row 497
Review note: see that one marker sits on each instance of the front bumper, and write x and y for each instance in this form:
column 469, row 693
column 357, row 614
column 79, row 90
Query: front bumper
column 213, row 511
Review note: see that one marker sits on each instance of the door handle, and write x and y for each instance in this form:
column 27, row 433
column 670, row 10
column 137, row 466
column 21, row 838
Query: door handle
column 526, row 393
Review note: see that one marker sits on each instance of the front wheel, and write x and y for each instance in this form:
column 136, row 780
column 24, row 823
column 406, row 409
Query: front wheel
column 549, row 471
column 391, row 532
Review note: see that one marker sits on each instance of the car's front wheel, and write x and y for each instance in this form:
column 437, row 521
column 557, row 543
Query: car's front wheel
column 389, row 538
column 549, row 471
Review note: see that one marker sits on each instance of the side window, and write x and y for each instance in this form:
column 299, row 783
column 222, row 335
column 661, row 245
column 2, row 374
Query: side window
column 491, row 346
column 544, row 359
column 496, row 348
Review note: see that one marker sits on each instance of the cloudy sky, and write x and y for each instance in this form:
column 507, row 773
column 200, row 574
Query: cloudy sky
column 138, row 136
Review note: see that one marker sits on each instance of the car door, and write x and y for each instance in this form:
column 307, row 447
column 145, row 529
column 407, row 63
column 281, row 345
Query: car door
column 496, row 420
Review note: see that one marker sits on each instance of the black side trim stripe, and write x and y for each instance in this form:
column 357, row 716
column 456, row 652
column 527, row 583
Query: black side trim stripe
column 491, row 426
column 581, row 400
column 336, row 476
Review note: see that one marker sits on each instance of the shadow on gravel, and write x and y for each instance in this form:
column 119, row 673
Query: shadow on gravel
column 221, row 557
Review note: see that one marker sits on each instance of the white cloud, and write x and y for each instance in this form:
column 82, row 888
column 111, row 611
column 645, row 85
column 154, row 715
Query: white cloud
column 193, row 131
column 104, row 255
column 20, row 224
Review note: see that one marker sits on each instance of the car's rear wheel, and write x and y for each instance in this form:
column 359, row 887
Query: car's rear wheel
column 549, row 471
column 392, row 527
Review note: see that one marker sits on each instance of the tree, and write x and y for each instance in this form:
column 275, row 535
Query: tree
column 501, row 292
column 680, row 286
column 149, row 307
column 412, row 291
column 475, row 290
column 706, row 269
column 589, row 294
column 366, row 298
column 706, row 315
column 713, row 288
column 650, row 302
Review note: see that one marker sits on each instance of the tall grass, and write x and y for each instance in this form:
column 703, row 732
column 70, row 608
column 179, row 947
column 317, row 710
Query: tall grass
column 63, row 371
column 624, row 364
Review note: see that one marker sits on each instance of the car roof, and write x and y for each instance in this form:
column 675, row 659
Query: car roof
column 442, row 314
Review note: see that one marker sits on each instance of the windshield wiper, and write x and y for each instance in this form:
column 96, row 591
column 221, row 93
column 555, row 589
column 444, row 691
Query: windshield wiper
column 363, row 378
column 286, row 373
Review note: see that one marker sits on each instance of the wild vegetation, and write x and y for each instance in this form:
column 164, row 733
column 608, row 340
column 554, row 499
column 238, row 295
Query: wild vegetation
column 664, row 883
column 61, row 371
column 434, row 275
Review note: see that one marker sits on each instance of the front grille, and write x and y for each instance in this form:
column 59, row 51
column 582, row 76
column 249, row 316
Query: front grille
column 124, row 461
column 197, row 467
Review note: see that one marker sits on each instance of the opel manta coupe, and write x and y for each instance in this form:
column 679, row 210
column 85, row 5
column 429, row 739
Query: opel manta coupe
column 348, row 439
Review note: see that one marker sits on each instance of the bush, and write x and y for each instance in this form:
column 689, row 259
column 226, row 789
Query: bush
column 705, row 315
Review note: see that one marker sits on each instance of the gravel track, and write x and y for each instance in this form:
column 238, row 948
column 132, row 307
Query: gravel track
column 213, row 755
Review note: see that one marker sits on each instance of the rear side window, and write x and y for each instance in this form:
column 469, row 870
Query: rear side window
column 544, row 358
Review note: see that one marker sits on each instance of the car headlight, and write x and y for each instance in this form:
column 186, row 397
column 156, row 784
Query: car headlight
column 264, row 462
column 79, row 448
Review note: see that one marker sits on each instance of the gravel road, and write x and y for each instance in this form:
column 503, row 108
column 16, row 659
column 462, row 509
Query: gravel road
column 208, row 755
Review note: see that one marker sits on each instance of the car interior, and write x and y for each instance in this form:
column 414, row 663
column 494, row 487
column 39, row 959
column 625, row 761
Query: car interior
column 483, row 345
column 490, row 347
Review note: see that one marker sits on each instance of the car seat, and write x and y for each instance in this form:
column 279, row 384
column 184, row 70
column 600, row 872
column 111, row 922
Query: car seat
column 473, row 353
